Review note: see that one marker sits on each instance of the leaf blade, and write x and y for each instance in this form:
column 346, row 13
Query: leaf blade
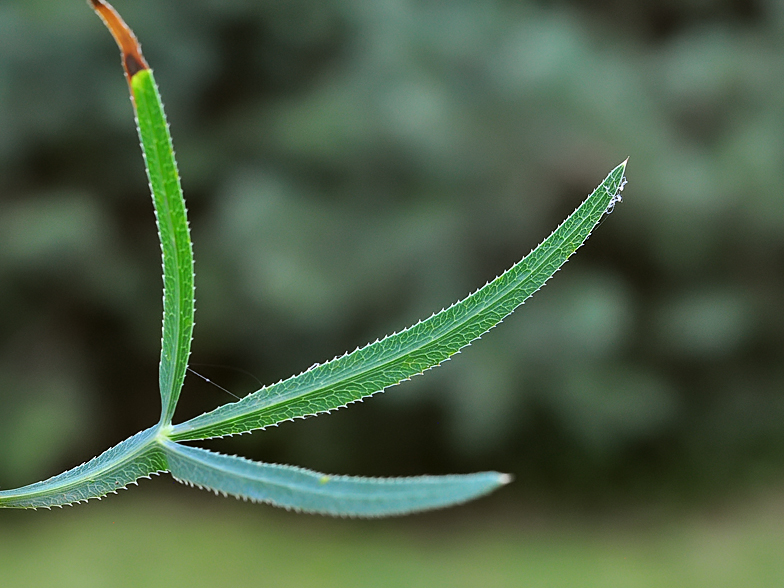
column 304, row 490
column 428, row 343
column 137, row 457
column 174, row 234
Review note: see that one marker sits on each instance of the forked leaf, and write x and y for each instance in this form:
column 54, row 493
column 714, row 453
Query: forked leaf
column 136, row 457
column 307, row 491
column 170, row 213
column 425, row 345
column 323, row 388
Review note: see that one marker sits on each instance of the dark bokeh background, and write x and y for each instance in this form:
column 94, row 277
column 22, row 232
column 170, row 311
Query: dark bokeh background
column 352, row 166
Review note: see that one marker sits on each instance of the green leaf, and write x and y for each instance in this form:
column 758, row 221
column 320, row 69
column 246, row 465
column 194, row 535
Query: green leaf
column 178, row 285
column 304, row 490
column 320, row 389
column 136, row 457
column 425, row 345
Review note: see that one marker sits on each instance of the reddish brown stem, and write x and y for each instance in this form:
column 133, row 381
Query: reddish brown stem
column 132, row 58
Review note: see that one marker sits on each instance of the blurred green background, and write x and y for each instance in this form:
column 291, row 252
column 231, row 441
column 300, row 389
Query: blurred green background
column 350, row 167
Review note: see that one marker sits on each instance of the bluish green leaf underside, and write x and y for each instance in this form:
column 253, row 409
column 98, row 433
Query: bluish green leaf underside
column 150, row 452
column 170, row 213
column 307, row 491
column 400, row 356
column 136, row 457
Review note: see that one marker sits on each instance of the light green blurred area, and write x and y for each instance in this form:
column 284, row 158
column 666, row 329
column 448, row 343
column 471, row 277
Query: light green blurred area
column 143, row 541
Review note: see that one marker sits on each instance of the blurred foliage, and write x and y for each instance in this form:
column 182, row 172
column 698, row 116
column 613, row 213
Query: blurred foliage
column 351, row 167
